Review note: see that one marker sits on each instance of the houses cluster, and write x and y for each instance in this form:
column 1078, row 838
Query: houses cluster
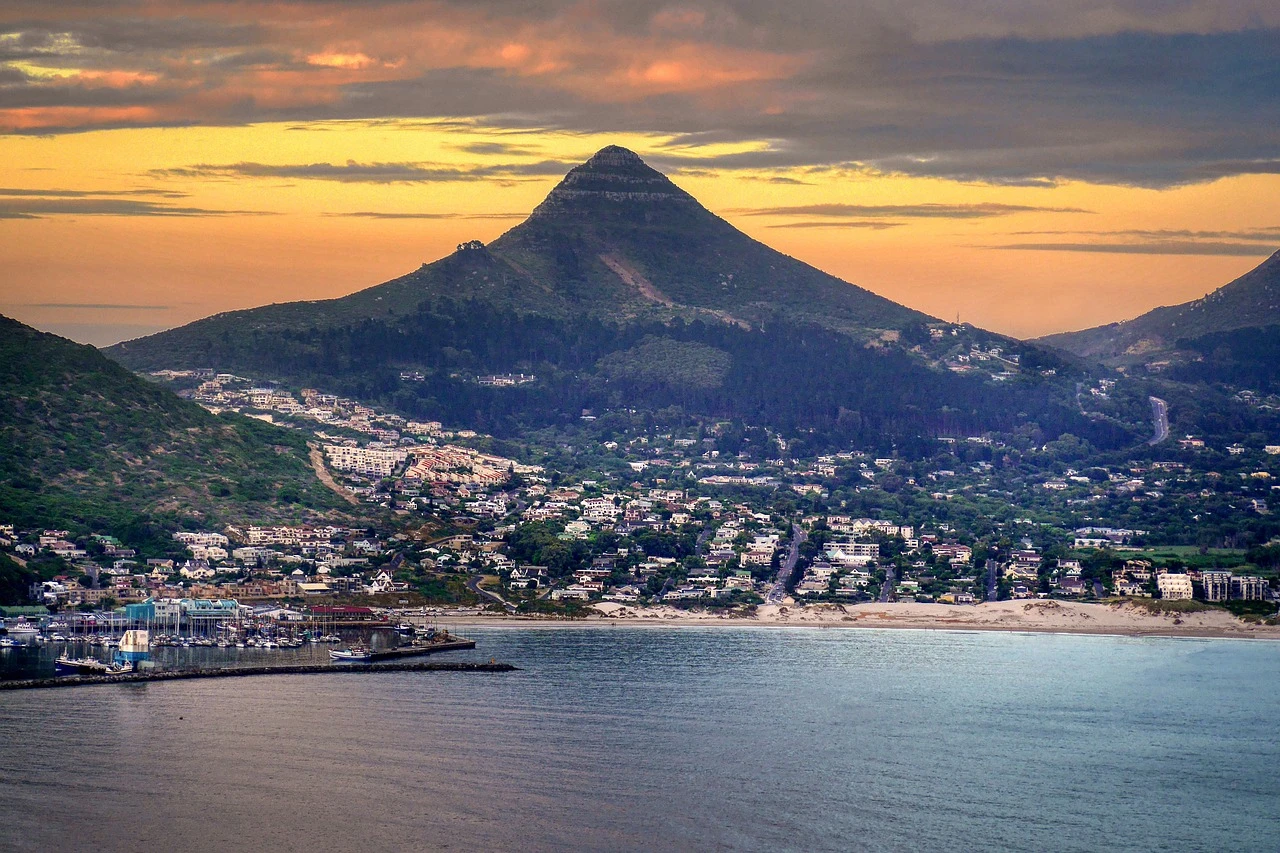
column 246, row 562
column 1140, row 578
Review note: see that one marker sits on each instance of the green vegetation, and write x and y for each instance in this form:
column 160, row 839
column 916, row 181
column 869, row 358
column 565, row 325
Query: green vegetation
column 1160, row 605
column 90, row 446
column 14, row 580
column 663, row 362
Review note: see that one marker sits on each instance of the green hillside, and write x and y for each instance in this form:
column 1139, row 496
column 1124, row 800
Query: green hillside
column 87, row 444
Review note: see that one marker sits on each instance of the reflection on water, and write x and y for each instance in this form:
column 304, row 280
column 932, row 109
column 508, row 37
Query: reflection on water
column 681, row 739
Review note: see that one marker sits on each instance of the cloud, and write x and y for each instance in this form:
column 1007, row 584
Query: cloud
column 375, row 214
column 1151, row 93
column 23, row 192
column 1269, row 234
column 39, row 208
column 1169, row 247
column 96, row 306
column 370, row 173
column 872, row 224
column 910, row 211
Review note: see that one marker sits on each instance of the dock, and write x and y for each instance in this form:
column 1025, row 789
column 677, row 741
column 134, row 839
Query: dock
column 417, row 649
column 246, row 671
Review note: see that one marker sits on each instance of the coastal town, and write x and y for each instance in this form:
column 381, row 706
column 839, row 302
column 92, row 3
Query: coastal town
column 718, row 518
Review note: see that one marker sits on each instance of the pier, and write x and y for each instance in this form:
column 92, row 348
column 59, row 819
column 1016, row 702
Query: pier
column 416, row 649
column 246, row 671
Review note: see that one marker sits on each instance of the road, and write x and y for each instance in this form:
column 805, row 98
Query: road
column 1160, row 415
column 993, row 588
column 890, row 582
column 473, row 584
column 779, row 590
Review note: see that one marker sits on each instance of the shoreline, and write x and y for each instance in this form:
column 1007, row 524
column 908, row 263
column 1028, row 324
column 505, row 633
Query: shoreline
column 1026, row 616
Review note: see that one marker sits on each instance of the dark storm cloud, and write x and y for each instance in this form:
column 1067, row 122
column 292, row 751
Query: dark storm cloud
column 1150, row 93
column 76, row 95
column 35, row 37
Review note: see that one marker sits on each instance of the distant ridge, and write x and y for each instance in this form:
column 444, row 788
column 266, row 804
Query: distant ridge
column 1250, row 301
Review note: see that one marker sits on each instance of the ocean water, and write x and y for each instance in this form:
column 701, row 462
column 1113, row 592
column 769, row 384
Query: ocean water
column 674, row 739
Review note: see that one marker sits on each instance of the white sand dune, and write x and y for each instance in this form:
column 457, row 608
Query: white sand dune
column 1031, row 615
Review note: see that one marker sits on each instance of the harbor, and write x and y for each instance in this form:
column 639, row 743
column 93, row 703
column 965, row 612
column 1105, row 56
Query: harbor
column 46, row 651
column 145, row 676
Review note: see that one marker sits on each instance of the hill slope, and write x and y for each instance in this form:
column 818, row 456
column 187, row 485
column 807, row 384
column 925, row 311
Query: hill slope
column 614, row 240
column 1251, row 301
column 618, row 271
column 89, row 444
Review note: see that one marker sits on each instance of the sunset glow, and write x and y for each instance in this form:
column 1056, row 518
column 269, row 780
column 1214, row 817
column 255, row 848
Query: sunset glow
column 164, row 161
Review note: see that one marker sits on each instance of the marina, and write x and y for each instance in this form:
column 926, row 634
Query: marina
column 50, row 651
column 245, row 671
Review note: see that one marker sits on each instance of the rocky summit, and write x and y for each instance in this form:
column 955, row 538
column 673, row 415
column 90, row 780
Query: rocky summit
column 615, row 180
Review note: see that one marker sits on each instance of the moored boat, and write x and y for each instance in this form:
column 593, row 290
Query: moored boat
column 352, row 655
column 22, row 630
column 67, row 665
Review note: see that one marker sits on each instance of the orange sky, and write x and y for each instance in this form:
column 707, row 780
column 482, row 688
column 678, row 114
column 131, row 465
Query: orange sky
column 194, row 158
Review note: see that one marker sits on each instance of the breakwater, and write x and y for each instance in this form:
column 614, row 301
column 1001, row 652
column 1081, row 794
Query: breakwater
column 246, row 671
column 414, row 649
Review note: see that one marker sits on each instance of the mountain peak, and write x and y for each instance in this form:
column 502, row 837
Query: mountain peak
column 613, row 182
column 615, row 156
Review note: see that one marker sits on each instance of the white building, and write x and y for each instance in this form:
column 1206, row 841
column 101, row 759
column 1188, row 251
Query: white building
column 1174, row 587
column 363, row 460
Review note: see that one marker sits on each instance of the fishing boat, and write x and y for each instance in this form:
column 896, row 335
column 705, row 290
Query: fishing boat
column 67, row 665
column 352, row 655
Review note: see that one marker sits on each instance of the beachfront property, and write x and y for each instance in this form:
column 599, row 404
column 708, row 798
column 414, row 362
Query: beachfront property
column 1174, row 587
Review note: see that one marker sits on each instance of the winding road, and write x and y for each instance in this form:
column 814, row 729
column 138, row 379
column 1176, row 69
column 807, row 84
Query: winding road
column 473, row 584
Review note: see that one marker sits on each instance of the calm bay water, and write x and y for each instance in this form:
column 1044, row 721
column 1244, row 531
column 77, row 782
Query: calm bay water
column 674, row 739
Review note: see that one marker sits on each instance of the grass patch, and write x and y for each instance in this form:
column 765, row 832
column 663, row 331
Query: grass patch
column 1161, row 605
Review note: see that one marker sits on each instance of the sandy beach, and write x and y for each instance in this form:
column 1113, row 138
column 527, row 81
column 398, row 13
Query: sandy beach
column 1123, row 619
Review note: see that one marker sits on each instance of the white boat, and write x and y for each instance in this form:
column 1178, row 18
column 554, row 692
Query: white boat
column 22, row 630
column 66, row 665
column 354, row 655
